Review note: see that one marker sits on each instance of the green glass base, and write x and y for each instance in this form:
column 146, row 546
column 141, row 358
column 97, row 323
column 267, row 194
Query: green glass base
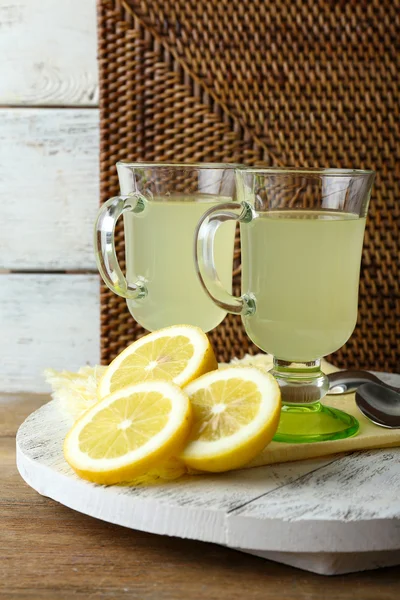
column 314, row 423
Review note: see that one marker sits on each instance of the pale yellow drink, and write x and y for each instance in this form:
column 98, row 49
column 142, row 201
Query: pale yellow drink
column 159, row 251
column 303, row 268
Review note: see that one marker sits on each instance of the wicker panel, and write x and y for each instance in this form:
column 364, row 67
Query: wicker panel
column 291, row 82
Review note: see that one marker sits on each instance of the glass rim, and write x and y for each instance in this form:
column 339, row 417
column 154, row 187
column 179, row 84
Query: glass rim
column 179, row 165
column 308, row 170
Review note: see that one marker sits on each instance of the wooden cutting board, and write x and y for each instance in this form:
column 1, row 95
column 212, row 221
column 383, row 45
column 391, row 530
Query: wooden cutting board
column 334, row 514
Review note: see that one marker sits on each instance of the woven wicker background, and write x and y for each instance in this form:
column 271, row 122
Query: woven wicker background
column 289, row 82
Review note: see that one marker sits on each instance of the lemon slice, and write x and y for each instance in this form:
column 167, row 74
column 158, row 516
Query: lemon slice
column 179, row 354
column 129, row 432
column 235, row 415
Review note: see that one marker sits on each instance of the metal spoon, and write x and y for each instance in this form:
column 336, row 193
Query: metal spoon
column 377, row 400
column 346, row 382
column 380, row 404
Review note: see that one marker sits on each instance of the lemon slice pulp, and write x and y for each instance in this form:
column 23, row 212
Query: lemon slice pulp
column 235, row 415
column 178, row 354
column 129, row 432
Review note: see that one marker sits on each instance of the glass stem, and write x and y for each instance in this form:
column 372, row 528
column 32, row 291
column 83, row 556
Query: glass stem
column 300, row 383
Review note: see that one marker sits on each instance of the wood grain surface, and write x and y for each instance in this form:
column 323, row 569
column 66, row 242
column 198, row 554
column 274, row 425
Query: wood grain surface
column 330, row 504
column 48, row 178
column 48, row 52
column 46, row 320
column 49, row 188
column 52, row 553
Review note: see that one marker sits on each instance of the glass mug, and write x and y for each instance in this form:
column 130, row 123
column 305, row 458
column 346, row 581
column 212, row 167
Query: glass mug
column 161, row 205
column 301, row 241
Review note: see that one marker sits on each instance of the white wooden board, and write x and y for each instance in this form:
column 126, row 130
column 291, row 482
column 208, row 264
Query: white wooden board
column 49, row 188
column 306, row 513
column 46, row 321
column 48, row 52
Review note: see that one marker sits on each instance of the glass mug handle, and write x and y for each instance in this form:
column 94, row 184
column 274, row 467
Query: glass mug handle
column 204, row 256
column 106, row 258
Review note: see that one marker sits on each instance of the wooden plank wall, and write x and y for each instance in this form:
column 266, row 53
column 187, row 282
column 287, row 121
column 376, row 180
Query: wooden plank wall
column 49, row 290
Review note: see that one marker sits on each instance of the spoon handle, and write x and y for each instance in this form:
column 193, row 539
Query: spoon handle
column 391, row 387
column 349, row 380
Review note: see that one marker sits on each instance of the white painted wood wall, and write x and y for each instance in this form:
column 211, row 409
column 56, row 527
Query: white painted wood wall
column 49, row 150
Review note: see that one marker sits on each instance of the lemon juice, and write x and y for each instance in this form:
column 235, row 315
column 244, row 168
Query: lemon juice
column 303, row 269
column 159, row 251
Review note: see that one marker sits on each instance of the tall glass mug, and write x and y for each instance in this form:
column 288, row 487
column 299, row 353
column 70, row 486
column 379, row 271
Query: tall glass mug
column 161, row 205
column 301, row 238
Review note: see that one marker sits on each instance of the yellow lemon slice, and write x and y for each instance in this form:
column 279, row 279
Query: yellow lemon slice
column 178, row 354
column 235, row 415
column 129, row 432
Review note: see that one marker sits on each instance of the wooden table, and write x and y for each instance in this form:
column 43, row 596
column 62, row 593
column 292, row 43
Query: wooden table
column 51, row 552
